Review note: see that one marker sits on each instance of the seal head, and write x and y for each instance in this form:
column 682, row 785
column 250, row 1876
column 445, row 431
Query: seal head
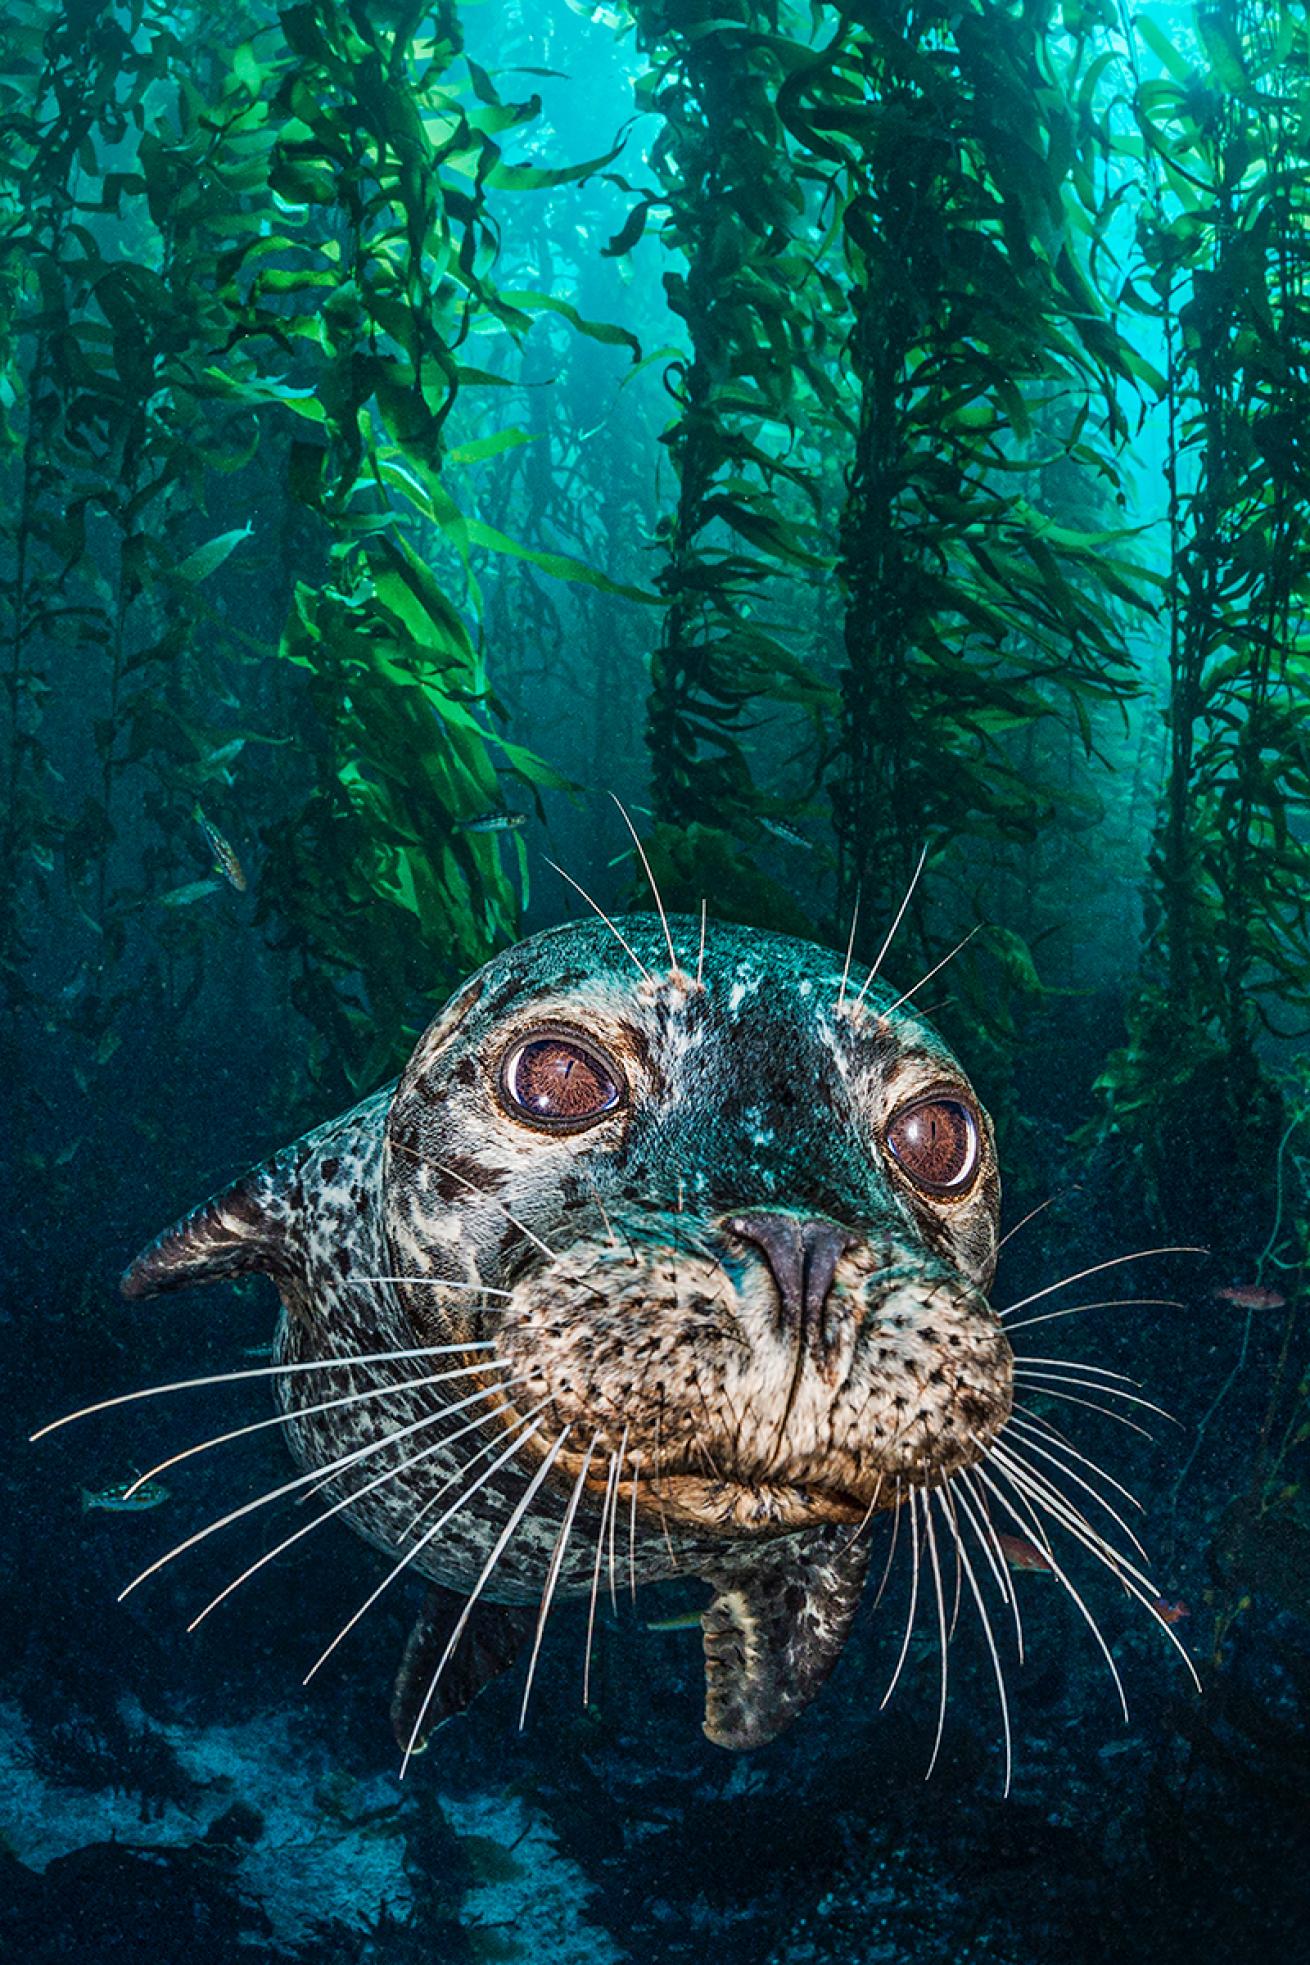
column 717, row 1233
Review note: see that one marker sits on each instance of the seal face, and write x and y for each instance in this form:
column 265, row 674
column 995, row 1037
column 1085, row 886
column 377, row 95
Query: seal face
column 703, row 1250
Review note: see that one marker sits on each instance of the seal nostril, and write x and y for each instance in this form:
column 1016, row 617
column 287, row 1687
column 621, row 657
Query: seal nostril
column 802, row 1256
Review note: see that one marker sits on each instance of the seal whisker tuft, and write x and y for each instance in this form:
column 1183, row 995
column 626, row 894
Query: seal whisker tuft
column 315, row 1474
column 304, row 1412
column 1004, row 1455
column 1097, row 1269
column 1028, row 1525
column 359, row 1493
column 501, row 1543
column 611, row 1492
column 552, row 1574
column 1026, row 1423
column 1045, row 1377
column 1090, row 1405
column 1134, row 1582
column 260, row 1371
column 515, row 1447
column 974, row 1506
column 1102, row 1303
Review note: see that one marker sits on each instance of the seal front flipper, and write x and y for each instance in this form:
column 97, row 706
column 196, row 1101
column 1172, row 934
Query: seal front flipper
column 775, row 1629
column 490, row 1642
column 283, row 1219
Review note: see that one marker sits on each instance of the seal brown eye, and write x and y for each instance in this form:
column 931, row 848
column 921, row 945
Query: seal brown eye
column 936, row 1141
column 559, row 1082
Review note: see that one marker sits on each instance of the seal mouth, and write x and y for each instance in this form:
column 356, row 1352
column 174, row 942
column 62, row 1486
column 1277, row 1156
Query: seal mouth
column 747, row 1506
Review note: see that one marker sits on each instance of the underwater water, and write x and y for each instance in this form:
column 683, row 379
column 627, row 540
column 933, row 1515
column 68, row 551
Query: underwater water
column 867, row 441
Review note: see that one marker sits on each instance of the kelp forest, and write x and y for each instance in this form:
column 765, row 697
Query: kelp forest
column 866, row 444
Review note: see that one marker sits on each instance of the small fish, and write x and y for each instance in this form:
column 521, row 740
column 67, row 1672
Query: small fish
column 195, row 890
column 686, row 1620
column 1021, row 1554
column 264, row 1350
column 792, row 835
column 493, row 822
column 116, row 1500
column 1252, row 1296
column 1172, row 1613
column 225, row 858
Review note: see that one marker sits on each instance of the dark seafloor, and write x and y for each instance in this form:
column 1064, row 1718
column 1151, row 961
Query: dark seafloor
column 167, row 1797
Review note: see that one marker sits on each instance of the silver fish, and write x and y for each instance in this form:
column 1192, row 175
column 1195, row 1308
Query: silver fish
column 498, row 821
column 785, row 830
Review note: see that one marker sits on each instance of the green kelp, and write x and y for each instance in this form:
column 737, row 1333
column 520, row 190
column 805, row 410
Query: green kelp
column 1222, row 267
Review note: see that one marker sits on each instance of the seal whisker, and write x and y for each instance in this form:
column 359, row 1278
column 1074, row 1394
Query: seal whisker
column 1097, row 1268
column 611, row 1490
column 1025, row 1375
column 850, row 951
column 1025, row 1219
column 614, row 1516
column 985, row 1620
column 1004, row 1456
column 315, row 1474
column 866, row 1518
column 632, row 1536
column 1108, row 1412
column 1078, row 1364
column 305, row 1412
column 914, row 1600
column 259, row 1371
column 453, row 1174
column 975, row 1511
column 1121, row 1569
column 1028, row 1423
column 700, row 952
column 498, row 1548
column 515, row 1446
column 467, row 1466
column 597, row 909
column 1031, row 1526
column 1044, row 1492
column 955, row 1536
column 896, row 1529
column 357, row 1494
column 890, row 936
column 675, row 967
column 552, row 1574
column 1102, row 1303
column 942, row 1638
column 914, row 989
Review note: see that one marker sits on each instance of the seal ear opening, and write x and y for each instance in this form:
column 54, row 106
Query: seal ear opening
column 238, row 1232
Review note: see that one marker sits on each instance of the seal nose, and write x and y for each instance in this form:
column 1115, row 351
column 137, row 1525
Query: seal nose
column 802, row 1256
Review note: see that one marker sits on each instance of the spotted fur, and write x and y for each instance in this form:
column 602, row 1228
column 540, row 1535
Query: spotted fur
column 637, row 1315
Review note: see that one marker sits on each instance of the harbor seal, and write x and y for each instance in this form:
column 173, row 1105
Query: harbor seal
column 666, row 1237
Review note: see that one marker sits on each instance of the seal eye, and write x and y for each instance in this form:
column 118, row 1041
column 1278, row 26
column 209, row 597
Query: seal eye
column 559, row 1082
column 936, row 1141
